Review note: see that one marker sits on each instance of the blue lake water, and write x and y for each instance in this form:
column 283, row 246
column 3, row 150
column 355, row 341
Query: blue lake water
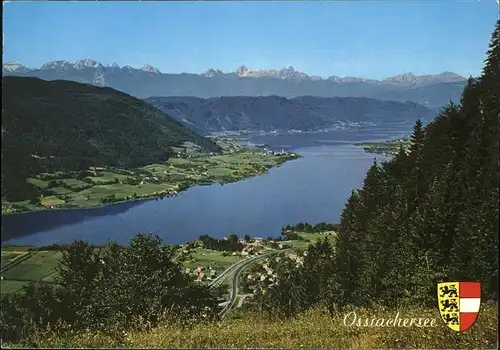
column 313, row 189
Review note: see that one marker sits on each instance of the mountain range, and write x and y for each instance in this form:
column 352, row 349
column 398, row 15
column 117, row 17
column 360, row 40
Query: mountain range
column 279, row 114
column 148, row 81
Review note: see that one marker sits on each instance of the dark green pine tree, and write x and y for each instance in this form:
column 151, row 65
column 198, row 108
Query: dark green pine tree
column 475, row 250
column 351, row 255
column 432, row 214
column 417, row 138
column 492, row 62
column 370, row 192
column 470, row 98
column 416, row 182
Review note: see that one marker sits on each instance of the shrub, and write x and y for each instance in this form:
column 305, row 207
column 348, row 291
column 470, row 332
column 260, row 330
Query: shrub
column 110, row 289
column 22, row 313
column 52, row 184
column 35, row 200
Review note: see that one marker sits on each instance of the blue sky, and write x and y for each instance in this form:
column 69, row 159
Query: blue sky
column 372, row 39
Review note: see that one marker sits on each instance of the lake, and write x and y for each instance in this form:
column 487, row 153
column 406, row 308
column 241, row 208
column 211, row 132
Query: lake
column 313, row 189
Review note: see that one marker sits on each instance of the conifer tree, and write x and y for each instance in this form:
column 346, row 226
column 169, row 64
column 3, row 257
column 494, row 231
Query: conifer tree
column 434, row 209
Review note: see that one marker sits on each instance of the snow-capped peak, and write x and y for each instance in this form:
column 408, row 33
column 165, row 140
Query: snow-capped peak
column 56, row 65
column 150, row 69
column 290, row 73
column 285, row 73
column 241, row 70
column 87, row 63
column 14, row 67
column 210, row 73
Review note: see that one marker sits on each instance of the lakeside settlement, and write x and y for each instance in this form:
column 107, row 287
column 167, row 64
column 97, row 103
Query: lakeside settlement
column 190, row 167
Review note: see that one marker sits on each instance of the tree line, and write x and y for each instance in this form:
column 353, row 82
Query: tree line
column 110, row 289
column 229, row 244
column 428, row 215
column 308, row 228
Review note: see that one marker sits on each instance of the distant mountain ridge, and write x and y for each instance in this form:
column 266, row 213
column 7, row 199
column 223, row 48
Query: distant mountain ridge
column 291, row 74
column 14, row 67
column 274, row 113
column 243, row 72
column 429, row 90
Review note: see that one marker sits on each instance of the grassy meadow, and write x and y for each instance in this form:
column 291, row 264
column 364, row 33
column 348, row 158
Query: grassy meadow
column 311, row 329
column 310, row 238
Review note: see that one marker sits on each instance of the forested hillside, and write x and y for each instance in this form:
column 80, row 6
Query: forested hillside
column 274, row 113
column 428, row 215
column 63, row 125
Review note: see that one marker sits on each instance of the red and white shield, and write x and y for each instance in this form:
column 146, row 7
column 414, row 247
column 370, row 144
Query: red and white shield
column 459, row 304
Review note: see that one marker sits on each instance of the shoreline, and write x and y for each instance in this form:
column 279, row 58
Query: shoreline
column 151, row 197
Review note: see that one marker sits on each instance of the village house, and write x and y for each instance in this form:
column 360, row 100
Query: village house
column 200, row 277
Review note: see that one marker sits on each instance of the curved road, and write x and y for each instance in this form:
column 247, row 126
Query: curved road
column 218, row 281
column 237, row 268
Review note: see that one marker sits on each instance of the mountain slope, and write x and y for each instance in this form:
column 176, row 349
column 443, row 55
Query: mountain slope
column 429, row 90
column 66, row 125
column 273, row 113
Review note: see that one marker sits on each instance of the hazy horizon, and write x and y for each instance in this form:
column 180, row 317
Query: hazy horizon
column 373, row 40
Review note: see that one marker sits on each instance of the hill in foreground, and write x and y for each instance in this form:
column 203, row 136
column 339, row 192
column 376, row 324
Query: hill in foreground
column 53, row 125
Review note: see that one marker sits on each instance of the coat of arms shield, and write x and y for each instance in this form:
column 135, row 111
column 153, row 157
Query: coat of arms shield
column 459, row 303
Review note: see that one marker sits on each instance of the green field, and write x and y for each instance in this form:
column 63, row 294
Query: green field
column 51, row 201
column 16, row 248
column 106, row 185
column 8, row 256
column 75, row 184
column 41, row 265
column 35, row 268
column 212, row 258
column 310, row 238
column 8, row 287
column 313, row 237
